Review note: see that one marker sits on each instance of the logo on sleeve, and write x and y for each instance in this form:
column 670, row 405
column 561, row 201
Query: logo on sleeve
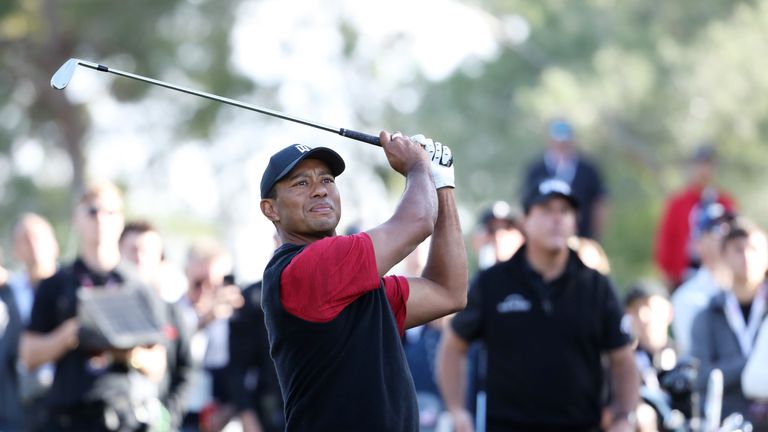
column 514, row 303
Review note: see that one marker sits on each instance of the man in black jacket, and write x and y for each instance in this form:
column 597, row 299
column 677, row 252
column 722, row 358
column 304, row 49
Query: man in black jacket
column 545, row 318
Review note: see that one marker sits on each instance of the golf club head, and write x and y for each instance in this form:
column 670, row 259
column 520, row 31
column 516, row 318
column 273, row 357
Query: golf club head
column 61, row 78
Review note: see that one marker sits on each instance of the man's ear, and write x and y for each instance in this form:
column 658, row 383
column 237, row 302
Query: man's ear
column 268, row 209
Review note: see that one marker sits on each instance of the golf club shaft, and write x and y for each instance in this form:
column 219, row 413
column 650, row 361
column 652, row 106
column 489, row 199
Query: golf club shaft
column 355, row 135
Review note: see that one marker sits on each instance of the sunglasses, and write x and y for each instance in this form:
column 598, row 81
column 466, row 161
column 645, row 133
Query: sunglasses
column 228, row 280
column 94, row 211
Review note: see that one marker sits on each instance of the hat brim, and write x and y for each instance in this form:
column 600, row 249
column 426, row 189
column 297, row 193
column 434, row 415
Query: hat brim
column 324, row 154
column 544, row 198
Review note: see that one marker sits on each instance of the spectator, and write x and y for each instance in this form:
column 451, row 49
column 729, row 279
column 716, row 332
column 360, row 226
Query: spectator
column 650, row 314
column 496, row 239
column 207, row 306
column 694, row 295
column 93, row 388
column 141, row 246
column 35, row 246
column 10, row 329
column 754, row 379
column 252, row 378
column 564, row 161
column 538, row 311
column 498, row 235
column 674, row 253
column 724, row 333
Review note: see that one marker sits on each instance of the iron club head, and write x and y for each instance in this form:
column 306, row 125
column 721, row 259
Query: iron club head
column 61, row 78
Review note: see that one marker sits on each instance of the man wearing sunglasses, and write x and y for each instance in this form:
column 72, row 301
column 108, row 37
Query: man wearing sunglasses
column 87, row 377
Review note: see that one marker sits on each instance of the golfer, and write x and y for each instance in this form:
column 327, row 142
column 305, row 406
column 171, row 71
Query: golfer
column 334, row 320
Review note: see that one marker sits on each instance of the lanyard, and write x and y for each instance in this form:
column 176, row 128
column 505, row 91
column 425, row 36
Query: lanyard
column 746, row 332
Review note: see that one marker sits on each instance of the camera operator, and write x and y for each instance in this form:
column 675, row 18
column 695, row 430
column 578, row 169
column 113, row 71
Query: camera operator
column 92, row 388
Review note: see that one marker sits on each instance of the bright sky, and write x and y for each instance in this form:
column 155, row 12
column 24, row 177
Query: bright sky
column 299, row 50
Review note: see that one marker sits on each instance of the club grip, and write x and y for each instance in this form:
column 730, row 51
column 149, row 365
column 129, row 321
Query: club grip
column 359, row 136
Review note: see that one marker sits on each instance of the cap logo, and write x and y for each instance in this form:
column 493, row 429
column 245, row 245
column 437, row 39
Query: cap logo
column 302, row 148
column 554, row 186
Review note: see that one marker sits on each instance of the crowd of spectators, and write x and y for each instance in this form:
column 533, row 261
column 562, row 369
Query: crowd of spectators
column 545, row 343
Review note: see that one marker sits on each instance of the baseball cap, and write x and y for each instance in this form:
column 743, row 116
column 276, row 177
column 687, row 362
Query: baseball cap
column 560, row 130
column 713, row 216
column 546, row 189
column 498, row 210
column 704, row 153
column 282, row 162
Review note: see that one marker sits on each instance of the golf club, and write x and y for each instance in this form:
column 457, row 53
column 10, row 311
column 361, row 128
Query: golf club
column 63, row 76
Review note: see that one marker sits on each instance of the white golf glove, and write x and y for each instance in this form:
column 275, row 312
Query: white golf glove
column 441, row 159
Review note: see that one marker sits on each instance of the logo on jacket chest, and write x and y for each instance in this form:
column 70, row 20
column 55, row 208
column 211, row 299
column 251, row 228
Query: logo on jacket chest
column 514, row 303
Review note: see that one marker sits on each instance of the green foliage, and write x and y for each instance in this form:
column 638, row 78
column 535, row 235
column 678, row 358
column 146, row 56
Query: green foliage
column 154, row 38
column 643, row 83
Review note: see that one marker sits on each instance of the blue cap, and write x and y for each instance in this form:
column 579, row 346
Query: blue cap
column 560, row 130
column 713, row 216
column 282, row 162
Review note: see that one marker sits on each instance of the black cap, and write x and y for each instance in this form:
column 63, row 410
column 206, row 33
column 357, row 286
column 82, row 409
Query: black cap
column 643, row 290
column 499, row 210
column 546, row 189
column 282, row 162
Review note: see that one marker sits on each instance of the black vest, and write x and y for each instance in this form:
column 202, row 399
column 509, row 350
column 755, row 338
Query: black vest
column 348, row 374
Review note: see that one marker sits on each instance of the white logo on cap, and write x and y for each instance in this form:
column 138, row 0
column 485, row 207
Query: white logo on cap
column 554, row 186
column 303, row 148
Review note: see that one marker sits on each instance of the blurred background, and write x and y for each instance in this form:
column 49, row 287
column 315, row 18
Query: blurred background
column 642, row 83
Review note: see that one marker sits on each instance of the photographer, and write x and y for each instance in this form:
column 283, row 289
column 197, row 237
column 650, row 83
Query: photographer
column 210, row 300
column 93, row 388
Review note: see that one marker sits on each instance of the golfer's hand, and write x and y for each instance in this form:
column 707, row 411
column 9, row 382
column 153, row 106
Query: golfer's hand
column 402, row 153
column 441, row 161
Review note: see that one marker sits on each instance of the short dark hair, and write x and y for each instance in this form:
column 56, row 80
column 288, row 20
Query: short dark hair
column 643, row 290
column 739, row 228
column 140, row 226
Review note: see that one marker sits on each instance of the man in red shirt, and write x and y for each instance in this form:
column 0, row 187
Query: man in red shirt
column 334, row 320
column 674, row 252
